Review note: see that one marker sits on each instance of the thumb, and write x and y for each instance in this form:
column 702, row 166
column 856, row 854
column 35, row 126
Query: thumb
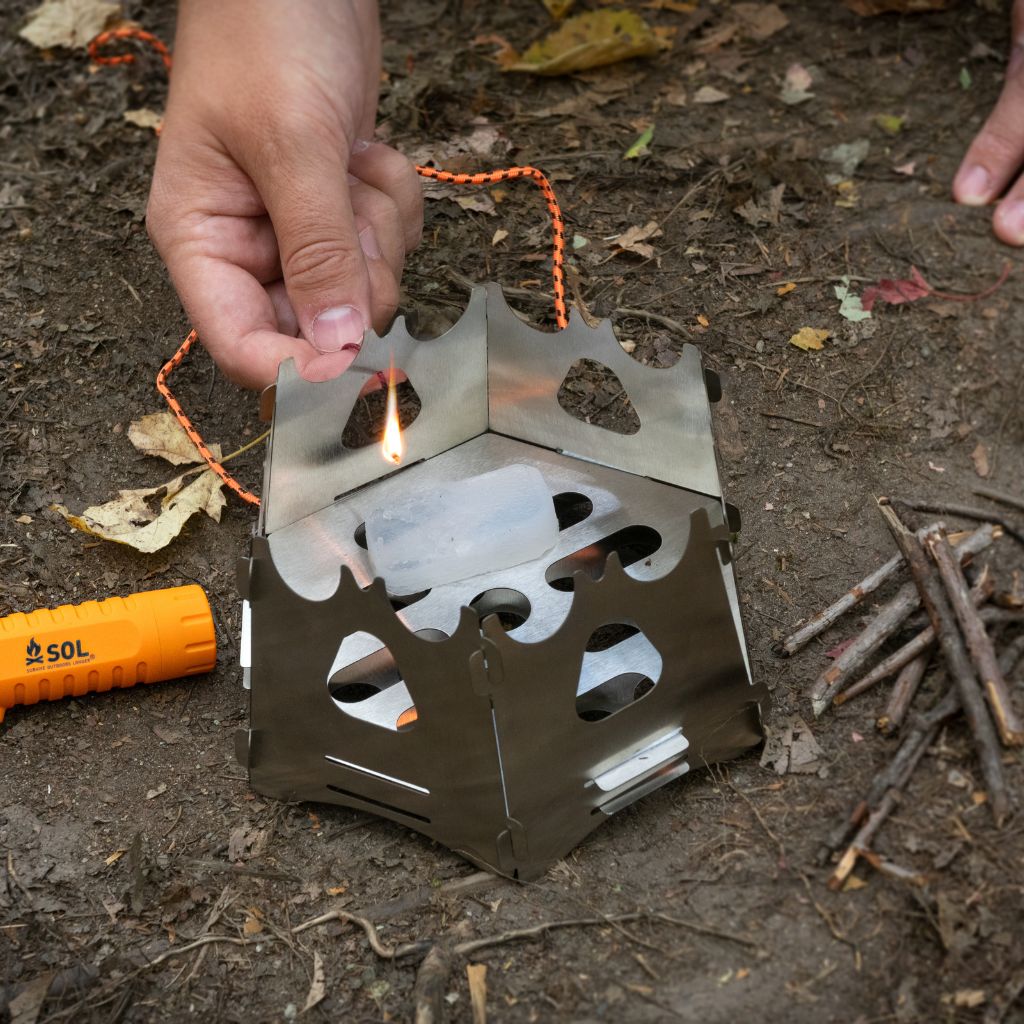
column 323, row 265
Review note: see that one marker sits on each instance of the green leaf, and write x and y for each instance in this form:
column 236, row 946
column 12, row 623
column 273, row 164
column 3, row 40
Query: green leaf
column 965, row 79
column 639, row 148
column 890, row 123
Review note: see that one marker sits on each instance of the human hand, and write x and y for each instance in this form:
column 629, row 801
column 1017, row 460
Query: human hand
column 283, row 229
column 996, row 155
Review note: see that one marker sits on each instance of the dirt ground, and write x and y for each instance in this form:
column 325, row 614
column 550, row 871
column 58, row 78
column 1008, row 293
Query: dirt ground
column 127, row 828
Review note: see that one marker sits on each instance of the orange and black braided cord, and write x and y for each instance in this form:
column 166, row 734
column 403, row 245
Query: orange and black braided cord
column 446, row 177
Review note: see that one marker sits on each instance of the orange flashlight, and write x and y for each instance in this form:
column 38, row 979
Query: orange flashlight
column 101, row 645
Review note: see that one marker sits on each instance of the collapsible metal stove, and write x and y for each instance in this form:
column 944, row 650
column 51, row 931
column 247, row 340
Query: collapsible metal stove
column 509, row 714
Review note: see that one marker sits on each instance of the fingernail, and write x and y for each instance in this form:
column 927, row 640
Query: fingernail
column 1011, row 220
column 335, row 329
column 360, row 146
column 328, row 366
column 973, row 185
column 368, row 243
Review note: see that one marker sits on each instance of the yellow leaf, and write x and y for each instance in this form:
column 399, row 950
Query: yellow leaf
column 853, row 883
column 68, row 23
column 703, row 320
column 849, row 194
column 253, row 925
column 114, row 857
column 128, row 518
column 590, row 40
column 337, row 890
column 786, row 288
column 809, row 339
column 162, row 435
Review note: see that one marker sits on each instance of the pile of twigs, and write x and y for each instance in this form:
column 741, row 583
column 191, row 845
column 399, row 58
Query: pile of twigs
column 961, row 617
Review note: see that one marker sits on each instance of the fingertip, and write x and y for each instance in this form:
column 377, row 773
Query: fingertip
column 1008, row 222
column 972, row 185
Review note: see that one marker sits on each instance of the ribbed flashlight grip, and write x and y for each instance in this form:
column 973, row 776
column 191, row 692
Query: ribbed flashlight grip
column 99, row 645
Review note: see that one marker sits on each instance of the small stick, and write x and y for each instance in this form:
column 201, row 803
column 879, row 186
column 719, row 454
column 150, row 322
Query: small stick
column 883, row 626
column 959, row 665
column 817, row 624
column 1001, row 496
column 902, row 695
column 431, row 981
column 983, row 655
column 896, row 773
column 913, row 649
column 1012, row 527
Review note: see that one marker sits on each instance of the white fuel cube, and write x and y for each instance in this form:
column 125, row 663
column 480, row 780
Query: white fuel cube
column 467, row 527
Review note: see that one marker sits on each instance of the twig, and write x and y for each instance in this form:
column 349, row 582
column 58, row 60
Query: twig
column 913, row 649
column 882, row 627
column 902, row 694
column 820, row 622
column 983, row 655
column 1001, row 496
column 803, row 423
column 1013, row 528
column 959, row 665
column 658, row 318
column 431, row 981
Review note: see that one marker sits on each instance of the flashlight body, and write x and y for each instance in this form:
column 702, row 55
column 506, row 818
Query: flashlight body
column 101, row 645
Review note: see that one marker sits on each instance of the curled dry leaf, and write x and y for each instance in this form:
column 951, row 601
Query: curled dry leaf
column 160, row 434
column 70, row 23
column 590, row 40
column 145, row 118
column 128, row 519
column 810, row 339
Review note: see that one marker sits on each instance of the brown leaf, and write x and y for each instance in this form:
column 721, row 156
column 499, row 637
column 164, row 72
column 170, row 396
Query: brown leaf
column 759, row 21
column 25, row 1006
column 635, row 239
column 709, row 94
column 70, row 23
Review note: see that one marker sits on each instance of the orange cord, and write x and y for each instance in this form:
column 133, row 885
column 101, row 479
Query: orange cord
column 447, row 177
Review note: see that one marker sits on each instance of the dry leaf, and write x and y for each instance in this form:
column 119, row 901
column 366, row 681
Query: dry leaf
column 969, row 998
column 160, row 434
column 558, row 9
column 114, row 857
column 68, row 23
column 635, row 239
column 590, row 40
column 25, row 1006
column 476, row 974
column 869, row 8
column 318, row 987
column 128, row 519
column 810, row 339
column 765, row 211
column 759, row 21
column 709, row 94
column 253, row 925
column 499, row 236
column 796, row 85
column 785, row 289
column 980, row 457
column 152, row 794
column 145, row 118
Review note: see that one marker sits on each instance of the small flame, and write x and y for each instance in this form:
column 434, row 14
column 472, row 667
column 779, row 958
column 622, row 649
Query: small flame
column 392, row 446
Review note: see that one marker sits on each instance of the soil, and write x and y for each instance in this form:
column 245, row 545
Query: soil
column 126, row 825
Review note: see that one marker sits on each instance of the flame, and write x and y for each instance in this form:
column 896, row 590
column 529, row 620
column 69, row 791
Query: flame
column 392, row 446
